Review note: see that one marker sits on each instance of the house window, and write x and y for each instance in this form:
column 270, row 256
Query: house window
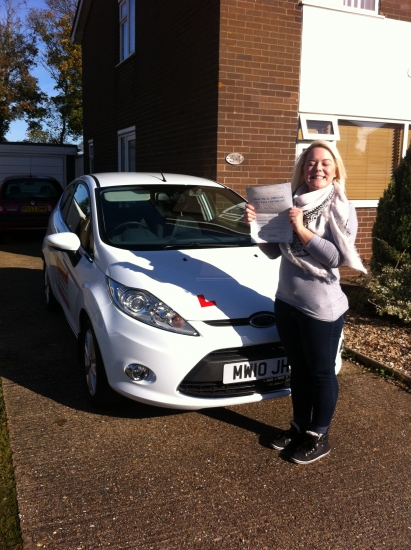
column 91, row 155
column 318, row 127
column 127, row 150
column 127, row 28
column 367, row 7
column 360, row 4
column 370, row 151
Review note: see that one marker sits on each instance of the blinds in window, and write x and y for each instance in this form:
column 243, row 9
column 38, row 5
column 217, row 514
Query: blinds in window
column 370, row 151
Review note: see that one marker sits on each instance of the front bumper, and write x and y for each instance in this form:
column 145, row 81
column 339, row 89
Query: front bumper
column 185, row 371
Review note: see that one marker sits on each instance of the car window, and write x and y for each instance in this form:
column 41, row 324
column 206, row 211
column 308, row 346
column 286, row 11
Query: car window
column 31, row 188
column 65, row 200
column 172, row 216
column 78, row 216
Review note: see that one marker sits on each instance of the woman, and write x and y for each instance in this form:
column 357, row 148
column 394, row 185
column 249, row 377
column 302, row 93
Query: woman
column 309, row 302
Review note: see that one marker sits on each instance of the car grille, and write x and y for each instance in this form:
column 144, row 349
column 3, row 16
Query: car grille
column 218, row 389
column 205, row 379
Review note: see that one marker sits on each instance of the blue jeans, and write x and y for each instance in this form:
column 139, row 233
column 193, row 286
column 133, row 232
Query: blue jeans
column 311, row 346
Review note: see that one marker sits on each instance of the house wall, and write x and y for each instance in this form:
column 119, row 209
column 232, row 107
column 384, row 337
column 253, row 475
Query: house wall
column 176, row 100
column 396, row 10
column 208, row 78
column 100, row 57
column 369, row 81
column 258, row 90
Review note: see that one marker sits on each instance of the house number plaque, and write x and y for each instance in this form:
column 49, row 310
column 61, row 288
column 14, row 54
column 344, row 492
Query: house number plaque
column 234, row 158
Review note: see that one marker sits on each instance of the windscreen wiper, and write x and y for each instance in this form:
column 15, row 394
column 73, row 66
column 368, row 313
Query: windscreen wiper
column 200, row 245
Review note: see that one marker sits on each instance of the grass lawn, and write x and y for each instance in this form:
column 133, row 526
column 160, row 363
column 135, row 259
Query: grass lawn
column 10, row 536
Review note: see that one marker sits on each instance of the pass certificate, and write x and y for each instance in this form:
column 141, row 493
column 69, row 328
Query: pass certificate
column 271, row 203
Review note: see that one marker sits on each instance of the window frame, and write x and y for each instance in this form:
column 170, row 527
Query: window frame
column 305, row 118
column 127, row 28
column 128, row 134
column 339, row 6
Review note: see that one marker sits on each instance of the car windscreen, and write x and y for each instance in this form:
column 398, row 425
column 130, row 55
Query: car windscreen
column 31, row 188
column 171, row 216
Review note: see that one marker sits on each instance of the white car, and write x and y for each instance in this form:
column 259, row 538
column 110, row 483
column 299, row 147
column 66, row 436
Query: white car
column 171, row 302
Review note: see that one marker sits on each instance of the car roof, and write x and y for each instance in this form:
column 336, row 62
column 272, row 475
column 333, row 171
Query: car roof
column 28, row 177
column 110, row 179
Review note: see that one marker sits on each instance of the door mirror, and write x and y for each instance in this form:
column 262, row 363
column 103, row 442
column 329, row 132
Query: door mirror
column 66, row 242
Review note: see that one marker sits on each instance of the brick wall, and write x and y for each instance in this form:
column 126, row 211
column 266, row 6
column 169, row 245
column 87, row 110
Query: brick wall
column 176, row 85
column 100, row 57
column 258, row 90
column 395, row 9
column 208, row 78
column 366, row 218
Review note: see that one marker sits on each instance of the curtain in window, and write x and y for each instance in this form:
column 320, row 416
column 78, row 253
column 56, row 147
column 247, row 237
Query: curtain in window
column 370, row 151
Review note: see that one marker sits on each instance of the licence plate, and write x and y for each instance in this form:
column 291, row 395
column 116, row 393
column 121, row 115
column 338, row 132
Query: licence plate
column 34, row 208
column 255, row 370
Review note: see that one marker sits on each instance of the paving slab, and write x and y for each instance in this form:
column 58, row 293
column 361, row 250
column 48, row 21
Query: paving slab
column 139, row 477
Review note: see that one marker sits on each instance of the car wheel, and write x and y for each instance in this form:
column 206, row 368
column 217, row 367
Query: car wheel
column 99, row 392
column 51, row 302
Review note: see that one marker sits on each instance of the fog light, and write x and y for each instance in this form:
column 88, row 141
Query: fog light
column 137, row 372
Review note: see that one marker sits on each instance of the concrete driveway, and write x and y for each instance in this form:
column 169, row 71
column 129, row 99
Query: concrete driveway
column 136, row 477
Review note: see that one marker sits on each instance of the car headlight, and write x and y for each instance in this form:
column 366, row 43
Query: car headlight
column 145, row 307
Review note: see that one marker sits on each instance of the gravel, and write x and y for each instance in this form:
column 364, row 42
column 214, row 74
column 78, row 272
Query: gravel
column 379, row 338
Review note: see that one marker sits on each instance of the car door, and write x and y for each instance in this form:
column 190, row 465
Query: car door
column 76, row 270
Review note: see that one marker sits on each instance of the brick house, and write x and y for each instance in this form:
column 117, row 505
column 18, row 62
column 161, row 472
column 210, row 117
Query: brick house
column 178, row 86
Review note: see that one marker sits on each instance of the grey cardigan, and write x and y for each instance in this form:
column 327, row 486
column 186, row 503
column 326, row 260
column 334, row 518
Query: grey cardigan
column 312, row 295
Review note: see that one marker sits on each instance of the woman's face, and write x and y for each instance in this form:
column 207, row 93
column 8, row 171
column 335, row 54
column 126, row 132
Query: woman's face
column 319, row 169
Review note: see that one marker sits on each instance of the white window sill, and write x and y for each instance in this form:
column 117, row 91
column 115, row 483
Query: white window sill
column 330, row 5
column 365, row 203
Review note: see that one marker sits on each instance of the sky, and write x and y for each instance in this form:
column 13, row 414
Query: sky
column 17, row 131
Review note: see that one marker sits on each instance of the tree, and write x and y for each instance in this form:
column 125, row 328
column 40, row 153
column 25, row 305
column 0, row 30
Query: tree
column 62, row 59
column 20, row 96
column 389, row 285
column 392, row 229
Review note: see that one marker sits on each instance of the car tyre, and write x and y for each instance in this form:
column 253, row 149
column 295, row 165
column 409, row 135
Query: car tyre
column 98, row 390
column 51, row 302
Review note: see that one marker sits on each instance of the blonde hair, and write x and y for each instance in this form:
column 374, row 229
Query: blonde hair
column 298, row 175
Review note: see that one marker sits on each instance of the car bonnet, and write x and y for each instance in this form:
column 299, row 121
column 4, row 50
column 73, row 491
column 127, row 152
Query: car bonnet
column 206, row 284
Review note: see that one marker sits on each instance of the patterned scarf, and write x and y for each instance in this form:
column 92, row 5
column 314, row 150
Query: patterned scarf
column 325, row 213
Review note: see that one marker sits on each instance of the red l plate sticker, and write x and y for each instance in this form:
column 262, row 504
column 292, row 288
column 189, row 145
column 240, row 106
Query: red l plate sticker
column 204, row 302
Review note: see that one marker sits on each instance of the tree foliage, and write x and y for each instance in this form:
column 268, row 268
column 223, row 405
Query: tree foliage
column 391, row 233
column 62, row 59
column 20, row 95
column 388, row 286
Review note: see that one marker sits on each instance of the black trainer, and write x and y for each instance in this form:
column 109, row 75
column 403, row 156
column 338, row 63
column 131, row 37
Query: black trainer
column 285, row 437
column 315, row 447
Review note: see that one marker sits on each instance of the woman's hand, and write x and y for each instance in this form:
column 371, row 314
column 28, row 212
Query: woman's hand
column 297, row 222
column 249, row 214
column 296, row 218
